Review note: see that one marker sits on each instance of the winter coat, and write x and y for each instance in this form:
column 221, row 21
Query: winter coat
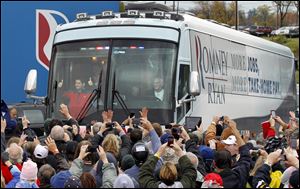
column 237, row 177
column 188, row 173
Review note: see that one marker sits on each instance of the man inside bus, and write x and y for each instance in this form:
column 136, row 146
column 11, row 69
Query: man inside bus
column 76, row 98
column 158, row 89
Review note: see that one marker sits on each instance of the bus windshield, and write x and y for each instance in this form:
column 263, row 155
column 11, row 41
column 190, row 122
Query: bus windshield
column 78, row 69
column 140, row 71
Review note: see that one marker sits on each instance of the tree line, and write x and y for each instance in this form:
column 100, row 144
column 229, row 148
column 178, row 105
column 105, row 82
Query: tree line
column 224, row 12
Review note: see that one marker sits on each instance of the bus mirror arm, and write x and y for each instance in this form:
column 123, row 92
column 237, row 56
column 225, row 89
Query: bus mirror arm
column 38, row 98
column 181, row 102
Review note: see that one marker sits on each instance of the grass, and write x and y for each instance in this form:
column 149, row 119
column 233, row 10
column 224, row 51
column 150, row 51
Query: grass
column 292, row 43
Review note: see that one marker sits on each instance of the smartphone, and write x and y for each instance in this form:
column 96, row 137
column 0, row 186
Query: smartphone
column 110, row 126
column 82, row 129
column 170, row 140
column 273, row 113
column 91, row 149
column 293, row 143
column 131, row 115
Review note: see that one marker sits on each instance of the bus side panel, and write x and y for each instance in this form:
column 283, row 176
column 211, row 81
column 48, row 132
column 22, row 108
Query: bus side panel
column 242, row 82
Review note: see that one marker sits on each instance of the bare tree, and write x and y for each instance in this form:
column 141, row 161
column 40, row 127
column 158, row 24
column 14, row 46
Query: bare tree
column 282, row 8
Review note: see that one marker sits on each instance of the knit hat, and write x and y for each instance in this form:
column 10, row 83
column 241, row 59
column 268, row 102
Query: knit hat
column 26, row 184
column 230, row 140
column 73, row 182
column 127, row 162
column 206, row 152
column 170, row 156
column 59, row 179
column 212, row 180
column 286, row 176
column 29, row 170
column 275, row 143
column 123, row 181
column 294, row 179
column 164, row 138
column 40, row 151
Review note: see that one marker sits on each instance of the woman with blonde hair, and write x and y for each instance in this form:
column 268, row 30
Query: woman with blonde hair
column 111, row 144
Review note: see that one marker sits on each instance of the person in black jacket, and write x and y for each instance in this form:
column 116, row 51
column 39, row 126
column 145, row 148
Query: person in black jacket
column 237, row 176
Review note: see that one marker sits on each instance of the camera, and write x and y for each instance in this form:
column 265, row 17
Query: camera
column 110, row 126
column 136, row 122
column 255, row 152
column 168, row 126
column 70, row 129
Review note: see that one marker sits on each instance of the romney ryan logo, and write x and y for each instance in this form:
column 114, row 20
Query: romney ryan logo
column 45, row 30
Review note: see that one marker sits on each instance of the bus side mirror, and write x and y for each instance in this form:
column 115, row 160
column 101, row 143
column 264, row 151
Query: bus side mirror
column 194, row 84
column 30, row 83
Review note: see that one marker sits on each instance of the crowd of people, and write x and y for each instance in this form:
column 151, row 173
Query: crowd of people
column 125, row 155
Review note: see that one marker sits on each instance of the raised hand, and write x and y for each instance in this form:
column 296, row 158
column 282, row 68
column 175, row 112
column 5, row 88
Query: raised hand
column 25, row 122
column 83, row 153
column 110, row 115
column 3, row 125
column 51, row 145
column 65, row 111
column 102, row 154
column 144, row 112
column 90, row 82
column 146, row 124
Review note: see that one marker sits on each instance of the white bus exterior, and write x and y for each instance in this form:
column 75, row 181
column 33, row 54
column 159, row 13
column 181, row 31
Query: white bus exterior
column 239, row 75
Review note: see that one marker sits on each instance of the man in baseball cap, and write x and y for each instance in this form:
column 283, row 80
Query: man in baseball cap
column 231, row 145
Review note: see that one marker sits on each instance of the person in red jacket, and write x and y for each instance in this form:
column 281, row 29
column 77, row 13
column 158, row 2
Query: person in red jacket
column 77, row 98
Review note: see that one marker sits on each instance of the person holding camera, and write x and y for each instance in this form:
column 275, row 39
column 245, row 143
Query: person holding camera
column 217, row 130
column 168, row 175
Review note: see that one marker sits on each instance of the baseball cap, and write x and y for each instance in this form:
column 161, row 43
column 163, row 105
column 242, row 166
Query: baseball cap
column 230, row 140
column 40, row 151
column 140, row 153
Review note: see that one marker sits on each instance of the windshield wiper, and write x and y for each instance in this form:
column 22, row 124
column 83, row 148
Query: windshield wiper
column 119, row 98
column 88, row 104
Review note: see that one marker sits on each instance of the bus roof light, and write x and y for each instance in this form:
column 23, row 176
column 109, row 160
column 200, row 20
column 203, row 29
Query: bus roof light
column 133, row 13
column 82, row 17
column 159, row 14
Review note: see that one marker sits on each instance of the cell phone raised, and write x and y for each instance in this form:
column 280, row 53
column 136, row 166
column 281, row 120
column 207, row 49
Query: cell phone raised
column 273, row 113
column 82, row 129
column 170, row 140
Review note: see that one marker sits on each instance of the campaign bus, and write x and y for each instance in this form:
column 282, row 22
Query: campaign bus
column 175, row 64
